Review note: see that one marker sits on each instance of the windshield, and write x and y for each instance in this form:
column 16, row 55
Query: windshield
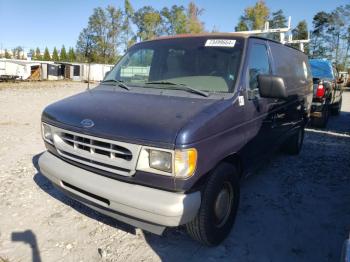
column 201, row 63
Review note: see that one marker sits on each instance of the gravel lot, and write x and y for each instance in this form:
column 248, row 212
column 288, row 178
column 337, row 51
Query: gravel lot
column 295, row 208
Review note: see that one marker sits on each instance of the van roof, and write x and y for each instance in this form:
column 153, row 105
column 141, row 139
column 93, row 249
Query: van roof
column 233, row 34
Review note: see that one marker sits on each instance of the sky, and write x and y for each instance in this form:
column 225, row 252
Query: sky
column 39, row 23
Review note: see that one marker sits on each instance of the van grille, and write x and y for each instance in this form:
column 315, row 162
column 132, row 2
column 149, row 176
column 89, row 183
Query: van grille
column 96, row 147
column 108, row 155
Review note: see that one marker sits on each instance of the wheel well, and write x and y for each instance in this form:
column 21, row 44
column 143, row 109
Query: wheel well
column 233, row 159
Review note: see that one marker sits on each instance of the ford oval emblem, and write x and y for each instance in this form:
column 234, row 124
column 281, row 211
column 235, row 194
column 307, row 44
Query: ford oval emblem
column 87, row 123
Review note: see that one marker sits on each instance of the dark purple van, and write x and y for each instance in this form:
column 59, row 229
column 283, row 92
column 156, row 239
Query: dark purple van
column 164, row 140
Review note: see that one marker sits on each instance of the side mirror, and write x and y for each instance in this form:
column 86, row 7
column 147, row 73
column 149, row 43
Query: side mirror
column 272, row 87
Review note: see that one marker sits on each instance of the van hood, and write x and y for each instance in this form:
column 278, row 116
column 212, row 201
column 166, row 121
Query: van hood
column 149, row 119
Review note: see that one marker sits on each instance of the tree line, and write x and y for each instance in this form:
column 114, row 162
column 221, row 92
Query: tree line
column 111, row 30
column 63, row 55
column 329, row 35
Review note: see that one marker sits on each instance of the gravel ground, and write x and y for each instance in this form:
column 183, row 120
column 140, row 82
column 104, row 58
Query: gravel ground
column 295, row 208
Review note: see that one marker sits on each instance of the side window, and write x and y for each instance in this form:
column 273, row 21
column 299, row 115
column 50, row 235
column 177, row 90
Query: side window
column 258, row 64
column 138, row 66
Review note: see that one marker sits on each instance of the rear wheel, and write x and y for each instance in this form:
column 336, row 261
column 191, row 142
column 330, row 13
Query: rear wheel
column 323, row 120
column 294, row 143
column 337, row 107
column 220, row 199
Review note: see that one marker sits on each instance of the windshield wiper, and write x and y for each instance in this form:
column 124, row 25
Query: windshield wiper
column 118, row 82
column 182, row 86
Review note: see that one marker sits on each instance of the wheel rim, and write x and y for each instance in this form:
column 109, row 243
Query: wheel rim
column 223, row 204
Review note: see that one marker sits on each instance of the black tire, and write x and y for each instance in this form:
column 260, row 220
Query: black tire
column 337, row 108
column 206, row 227
column 323, row 120
column 294, row 144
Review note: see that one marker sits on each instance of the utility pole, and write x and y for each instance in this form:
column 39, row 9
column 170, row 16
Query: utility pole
column 88, row 55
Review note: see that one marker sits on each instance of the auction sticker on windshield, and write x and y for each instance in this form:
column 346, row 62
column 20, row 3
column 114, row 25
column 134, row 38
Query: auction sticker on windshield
column 220, row 43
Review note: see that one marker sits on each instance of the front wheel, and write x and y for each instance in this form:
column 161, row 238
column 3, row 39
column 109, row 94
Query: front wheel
column 217, row 213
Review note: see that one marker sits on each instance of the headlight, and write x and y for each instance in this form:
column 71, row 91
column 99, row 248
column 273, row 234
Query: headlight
column 46, row 133
column 176, row 163
column 161, row 160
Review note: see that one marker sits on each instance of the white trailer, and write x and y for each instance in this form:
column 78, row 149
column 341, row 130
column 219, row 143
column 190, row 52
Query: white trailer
column 17, row 69
column 94, row 72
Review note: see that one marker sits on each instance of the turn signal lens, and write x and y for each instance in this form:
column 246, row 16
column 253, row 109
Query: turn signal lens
column 185, row 162
column 46, row 133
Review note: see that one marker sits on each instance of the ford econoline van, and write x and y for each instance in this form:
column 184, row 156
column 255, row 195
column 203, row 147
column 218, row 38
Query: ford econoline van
column 166, row 138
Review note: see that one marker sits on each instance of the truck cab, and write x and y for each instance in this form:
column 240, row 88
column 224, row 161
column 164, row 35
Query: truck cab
column 168, row 135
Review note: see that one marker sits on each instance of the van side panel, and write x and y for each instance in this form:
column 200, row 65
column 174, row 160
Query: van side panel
column 293, row 66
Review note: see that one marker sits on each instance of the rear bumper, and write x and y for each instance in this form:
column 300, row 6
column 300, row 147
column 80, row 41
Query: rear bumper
column 317, row 109
column 141, row 206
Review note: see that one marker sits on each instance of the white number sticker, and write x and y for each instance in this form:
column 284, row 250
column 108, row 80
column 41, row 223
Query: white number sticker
column 220, row 43
column 241, row 100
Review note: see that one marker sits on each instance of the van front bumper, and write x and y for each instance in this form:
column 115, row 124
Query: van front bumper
column 148, row 208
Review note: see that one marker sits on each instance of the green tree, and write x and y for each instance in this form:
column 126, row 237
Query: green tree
column 148, row 22
column 174, row 19
column 338, row 33
column 17, row 52
column 278, row 19
column 347, row 44
column 330, row 35
column 55, row 55
column 194, row 25
column 37, row 54
column 84, row 46
column 46, row 56
column 320, row 23
column 32, row 53
column 63, row 54
column 71, row 55
column 127, row 35
column 300, row 32
column 242, row 25
column 7, row 54
column 254, row 16
column 100, row 39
